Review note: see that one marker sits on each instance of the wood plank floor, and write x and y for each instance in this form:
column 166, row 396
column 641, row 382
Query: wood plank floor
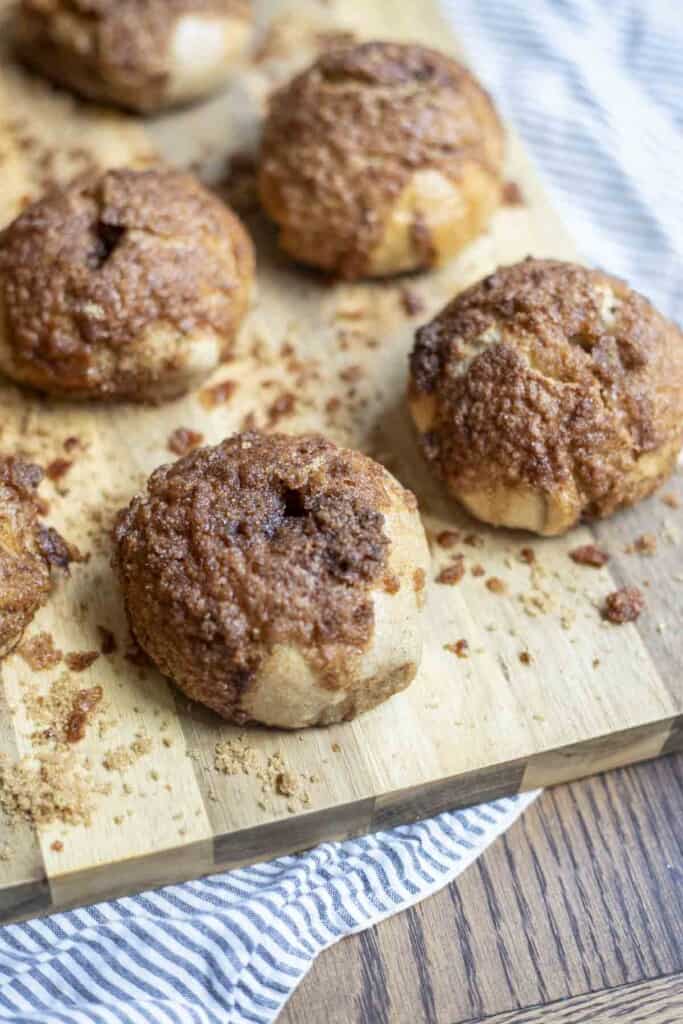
column 575, row 915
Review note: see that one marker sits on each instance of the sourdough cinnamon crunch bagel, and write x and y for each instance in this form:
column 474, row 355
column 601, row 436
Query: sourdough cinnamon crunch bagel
column 140, row 54
column 276, row 579
column 546, row 393
column 129, row 285
column 24, row 570
column 380, row 158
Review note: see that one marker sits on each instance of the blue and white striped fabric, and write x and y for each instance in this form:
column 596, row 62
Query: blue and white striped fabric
column 595, row 88
column 232, row 948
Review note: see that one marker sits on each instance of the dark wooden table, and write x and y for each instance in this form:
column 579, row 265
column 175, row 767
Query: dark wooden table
column 575, row 915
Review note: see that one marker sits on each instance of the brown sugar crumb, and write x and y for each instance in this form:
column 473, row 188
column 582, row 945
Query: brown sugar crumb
column 448, row 538
column 475, row 540
column 392, row 583
column 107, row 640
column 46, row 788
column 57, row 846
column 336, row 749
column 235, row 757
column 496, row 585
column 217, row 394
column 61, row 713
column 123, row 757
column 525, row 657
column 411, row 302
column 85, row 702
column 624, row 605
column 527, row 555
column 478, row 570
column 672, row 500
column 460, row 648
column 512, row 194
column 453, row 573
column 589, row 554
column 646, row 544
column 287, row 784
column 71, row 443
column 419, row 580
column 182, row 440
column 39, row 652
column 56, row 550
column 58, row 468
column 78, row 661
column 332, row 404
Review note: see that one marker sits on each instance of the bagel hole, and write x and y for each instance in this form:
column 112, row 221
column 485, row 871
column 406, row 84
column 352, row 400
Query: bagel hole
column 106, row 238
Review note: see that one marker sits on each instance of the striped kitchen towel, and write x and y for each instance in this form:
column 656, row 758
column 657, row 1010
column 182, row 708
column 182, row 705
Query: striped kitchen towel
column 232, row 948
column 595, row 88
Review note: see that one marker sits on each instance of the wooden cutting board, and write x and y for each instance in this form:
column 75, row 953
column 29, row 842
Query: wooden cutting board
column 592, row 696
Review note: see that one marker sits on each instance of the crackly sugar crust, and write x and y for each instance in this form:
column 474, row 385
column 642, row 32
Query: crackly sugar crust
column 344, row 137
column 85, row 272
column 24, row 571
column 549, row 374
column 261, row 540
column 114, row 50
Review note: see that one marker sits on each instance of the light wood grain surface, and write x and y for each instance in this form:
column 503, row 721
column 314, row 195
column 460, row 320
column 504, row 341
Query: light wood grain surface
column 593, row 696
column 574, row 916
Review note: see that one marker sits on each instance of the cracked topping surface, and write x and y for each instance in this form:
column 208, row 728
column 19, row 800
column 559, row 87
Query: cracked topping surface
column 96, row 263
column 345, row 136
column 128, row 40
column 545, row 371
column 24, row 572
column 257, row 541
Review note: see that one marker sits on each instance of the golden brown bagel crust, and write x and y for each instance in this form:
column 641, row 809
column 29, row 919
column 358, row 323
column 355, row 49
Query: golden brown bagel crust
column 116, row 51
column 263, row 549
column 24, row 571
column 345, row 139
column 107, row 285
column 550, row 387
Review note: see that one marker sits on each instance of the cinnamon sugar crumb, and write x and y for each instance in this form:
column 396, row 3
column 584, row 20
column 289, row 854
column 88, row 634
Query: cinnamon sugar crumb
column 287, row 784
column 589, row 554
column 392, row 583
column 624, row 605
column 452, row 574
column 78, row 661
column 460, row 648
column 46, row 788
column 448, row 538
column 182, row 440
column 646, row 544
column 496, row 585
column 478, row 570
column 123, row 757
column 58, row 468
column 419, row 580
column 525, row 657
column 39, row 652
column 672, row 500
column 527, row 555
column 235, row 756
column 217, row 394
